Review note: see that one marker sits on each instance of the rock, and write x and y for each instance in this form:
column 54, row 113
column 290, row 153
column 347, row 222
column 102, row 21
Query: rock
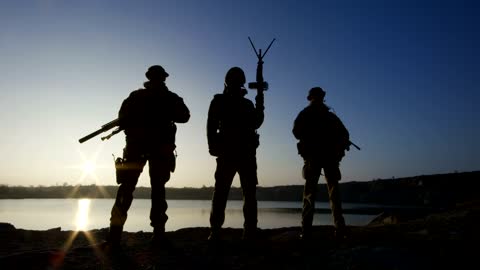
column 6, row 227
column 286, row 236
column 384, row 219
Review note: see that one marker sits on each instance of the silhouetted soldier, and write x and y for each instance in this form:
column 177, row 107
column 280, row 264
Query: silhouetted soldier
column 232, row 138
column 148, row 117
column 323, row 141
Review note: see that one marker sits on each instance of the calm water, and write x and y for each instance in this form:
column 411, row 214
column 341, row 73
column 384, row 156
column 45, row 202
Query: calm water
column 87, row 214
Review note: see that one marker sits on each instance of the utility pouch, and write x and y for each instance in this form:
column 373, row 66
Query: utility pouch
column 253, row 141
column 301, row 149
column 256, row 140
column 173, row 161
column 169, row 154
column 121, row 171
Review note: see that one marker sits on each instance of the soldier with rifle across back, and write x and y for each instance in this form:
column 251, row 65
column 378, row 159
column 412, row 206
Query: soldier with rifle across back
column 148, row 118
column 323, row 140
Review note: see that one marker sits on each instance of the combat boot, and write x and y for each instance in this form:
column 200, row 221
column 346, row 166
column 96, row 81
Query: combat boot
column 249, row 234
column 114, row 236
column 160, row 240
column 306, row 234
column 215, row 235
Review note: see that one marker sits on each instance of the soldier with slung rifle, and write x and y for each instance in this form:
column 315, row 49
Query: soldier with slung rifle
column 323, row 140
column 148, row 117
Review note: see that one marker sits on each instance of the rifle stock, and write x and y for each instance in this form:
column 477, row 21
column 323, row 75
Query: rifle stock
column 104, row 128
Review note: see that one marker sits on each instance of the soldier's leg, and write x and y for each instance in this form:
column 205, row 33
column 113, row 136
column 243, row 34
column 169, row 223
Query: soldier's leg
column 333, row 176
column 311, row 173
column 159, row 176
column 124, row 198
column 223, row 180
column 248, row 180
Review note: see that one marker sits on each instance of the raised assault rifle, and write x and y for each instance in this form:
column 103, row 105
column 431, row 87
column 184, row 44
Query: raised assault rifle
column 104, row 128
column 260, row 84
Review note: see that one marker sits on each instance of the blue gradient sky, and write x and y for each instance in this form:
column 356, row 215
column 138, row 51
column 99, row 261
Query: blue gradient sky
column 402, row 75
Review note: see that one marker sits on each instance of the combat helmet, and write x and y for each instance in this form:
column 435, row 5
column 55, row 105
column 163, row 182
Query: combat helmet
column 316, row 93
column 156, row 72
column 235, row 78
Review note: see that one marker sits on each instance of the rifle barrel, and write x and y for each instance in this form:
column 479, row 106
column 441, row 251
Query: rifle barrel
column 91, row 135
column 104, row 128
column 354, row 145
column 111, row 124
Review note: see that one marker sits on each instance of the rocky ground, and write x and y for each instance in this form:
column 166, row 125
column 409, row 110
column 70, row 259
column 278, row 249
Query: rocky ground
column 446, row 240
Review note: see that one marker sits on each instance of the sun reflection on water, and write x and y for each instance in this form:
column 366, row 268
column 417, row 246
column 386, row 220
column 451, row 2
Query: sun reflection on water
column 83, row 210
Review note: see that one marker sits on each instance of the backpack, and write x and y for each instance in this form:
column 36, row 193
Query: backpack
column 324, row 136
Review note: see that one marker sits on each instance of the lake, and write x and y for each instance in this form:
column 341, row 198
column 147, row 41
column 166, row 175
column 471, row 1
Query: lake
column 88, row 214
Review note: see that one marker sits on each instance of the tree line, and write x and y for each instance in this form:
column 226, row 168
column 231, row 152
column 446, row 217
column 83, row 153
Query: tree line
column 439, row 189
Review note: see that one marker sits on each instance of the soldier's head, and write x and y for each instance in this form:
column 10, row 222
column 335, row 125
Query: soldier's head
column 235, row 78
column 316, row 94
column 156, row 73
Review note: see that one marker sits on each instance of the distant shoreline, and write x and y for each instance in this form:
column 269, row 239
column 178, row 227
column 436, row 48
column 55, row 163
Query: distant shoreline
column 425, row 190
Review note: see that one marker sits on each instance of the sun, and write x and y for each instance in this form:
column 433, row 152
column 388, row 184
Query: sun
column 88, row 166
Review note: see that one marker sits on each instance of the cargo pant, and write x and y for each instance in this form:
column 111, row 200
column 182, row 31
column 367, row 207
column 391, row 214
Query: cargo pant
column 311, row 173
column 160, row 166
column 246, row 168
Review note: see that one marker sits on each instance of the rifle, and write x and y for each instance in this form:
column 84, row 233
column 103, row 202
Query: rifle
column 354, row 145
column 260, row 84
column 104, row 128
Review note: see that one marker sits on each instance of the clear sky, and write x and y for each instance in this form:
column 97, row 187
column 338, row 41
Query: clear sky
column 402, row 75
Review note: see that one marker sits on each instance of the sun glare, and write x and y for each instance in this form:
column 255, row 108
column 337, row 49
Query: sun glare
column 89, row 167
column 82, row 214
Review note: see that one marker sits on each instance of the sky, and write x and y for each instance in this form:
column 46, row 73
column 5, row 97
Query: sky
column 402, row 75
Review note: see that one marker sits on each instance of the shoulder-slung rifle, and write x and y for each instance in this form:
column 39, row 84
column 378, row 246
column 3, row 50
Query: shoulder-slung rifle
column 104, row 128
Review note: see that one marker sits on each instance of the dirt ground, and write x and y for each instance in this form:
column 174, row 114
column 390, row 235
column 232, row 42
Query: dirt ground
column 444, row 240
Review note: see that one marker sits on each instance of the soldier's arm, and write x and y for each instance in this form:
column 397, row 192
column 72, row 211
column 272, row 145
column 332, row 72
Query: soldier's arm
column 347, row 137
column 299, row 126
column 181, row 112
column 126, row 111
column 213, row 124
column 259, row 109
column 343, row 131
